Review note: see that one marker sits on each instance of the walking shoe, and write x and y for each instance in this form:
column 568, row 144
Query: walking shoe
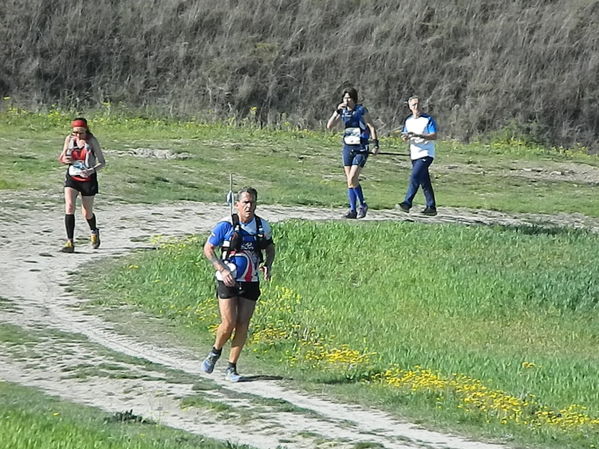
column 430, row 211
column 69, row 247
column 209, row 362
column 362, row 211
column 351, row 214
column 405, row 207
column 95, row 239
column 231, row 374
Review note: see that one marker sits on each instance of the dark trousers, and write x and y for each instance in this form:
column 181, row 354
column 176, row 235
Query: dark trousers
column 421, row 177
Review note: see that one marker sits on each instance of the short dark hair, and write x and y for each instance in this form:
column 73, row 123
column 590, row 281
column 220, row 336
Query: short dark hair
column 249, row 190
column 353, row 94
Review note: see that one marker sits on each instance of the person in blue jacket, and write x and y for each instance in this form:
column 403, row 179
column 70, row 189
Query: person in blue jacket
column 243, row 238
column 357, row 133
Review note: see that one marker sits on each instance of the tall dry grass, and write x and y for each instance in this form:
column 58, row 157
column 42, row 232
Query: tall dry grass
column 519, row 67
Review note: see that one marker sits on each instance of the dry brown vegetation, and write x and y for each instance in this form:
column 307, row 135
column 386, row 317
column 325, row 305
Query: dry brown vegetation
column 528, row 67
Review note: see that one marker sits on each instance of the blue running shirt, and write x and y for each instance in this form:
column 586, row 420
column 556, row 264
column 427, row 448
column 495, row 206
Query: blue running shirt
column 245, row 260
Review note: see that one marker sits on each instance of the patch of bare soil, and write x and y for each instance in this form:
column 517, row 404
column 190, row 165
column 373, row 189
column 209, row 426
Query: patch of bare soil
column 81, row 358
column 151, row 153
column 564, row 171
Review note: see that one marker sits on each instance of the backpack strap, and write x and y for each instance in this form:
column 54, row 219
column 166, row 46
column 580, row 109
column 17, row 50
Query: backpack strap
column 234, row 242
column 259, row 238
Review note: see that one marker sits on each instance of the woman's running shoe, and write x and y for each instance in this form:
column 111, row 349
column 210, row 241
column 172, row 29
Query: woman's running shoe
column 362, row 210
column 69, row 247
column 351, row 214
column 95, row 239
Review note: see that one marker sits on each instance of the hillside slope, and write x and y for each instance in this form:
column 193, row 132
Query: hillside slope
column 523, row 67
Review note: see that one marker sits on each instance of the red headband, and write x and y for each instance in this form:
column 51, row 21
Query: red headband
column 78, row 124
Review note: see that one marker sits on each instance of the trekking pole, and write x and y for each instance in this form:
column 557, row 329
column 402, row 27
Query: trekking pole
column 230, row 194
column 385, row 153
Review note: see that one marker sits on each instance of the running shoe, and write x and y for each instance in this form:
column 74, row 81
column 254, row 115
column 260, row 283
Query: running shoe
column 351, row 214
column 95, row 239
column 362, row 210
column 430, row 211
column 231, row 374
column 405, row 207
column 69, row 247
column 209, row 362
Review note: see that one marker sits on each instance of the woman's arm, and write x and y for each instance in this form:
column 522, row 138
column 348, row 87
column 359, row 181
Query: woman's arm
column 373, row 134
column 62, row 158
column 371, row 126
column 100, row 161
column 335, row 117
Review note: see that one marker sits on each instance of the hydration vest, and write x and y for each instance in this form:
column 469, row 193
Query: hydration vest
column 354, row 124
column 235, row 240
column 82, row 158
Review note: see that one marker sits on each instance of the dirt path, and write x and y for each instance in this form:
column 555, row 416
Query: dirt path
column 82, row 358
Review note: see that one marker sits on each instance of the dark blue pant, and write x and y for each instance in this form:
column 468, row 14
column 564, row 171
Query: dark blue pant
column 421, row 177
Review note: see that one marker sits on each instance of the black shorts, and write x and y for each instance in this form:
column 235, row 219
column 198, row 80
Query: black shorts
column 86, row 188
column 248, row 290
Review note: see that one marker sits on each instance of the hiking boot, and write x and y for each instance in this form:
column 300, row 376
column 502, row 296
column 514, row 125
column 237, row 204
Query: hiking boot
column 405, row 207
column 209, row 362
column 362, row 211
column 69, row 247
column 231, row 374
column 430, row 211
column 351, row 214
column 95, row 239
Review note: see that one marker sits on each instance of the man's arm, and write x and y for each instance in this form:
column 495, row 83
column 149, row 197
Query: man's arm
column 270, row 258
column 218, row 264
column 431, row 136
column 430, row 133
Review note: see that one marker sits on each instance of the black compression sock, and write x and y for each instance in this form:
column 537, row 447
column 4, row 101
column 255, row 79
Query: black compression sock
column 232, row 365
column 217, row 351
column 69, row 222
column 92, row 222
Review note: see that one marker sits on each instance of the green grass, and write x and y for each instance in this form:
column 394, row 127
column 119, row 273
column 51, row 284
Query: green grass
column 30, row 420
column 17, row 342
column 412, row 317
column 491, row 331
column 287, row 166
column 200, row 401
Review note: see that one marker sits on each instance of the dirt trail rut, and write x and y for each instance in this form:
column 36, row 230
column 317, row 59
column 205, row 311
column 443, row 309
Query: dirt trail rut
column 84, row 359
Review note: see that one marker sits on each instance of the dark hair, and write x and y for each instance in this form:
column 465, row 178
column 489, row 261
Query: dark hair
column 353, row 94
column 84, row 120
column 249, row 190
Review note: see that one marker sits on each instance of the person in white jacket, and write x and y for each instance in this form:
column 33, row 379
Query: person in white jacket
column 420, row 130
